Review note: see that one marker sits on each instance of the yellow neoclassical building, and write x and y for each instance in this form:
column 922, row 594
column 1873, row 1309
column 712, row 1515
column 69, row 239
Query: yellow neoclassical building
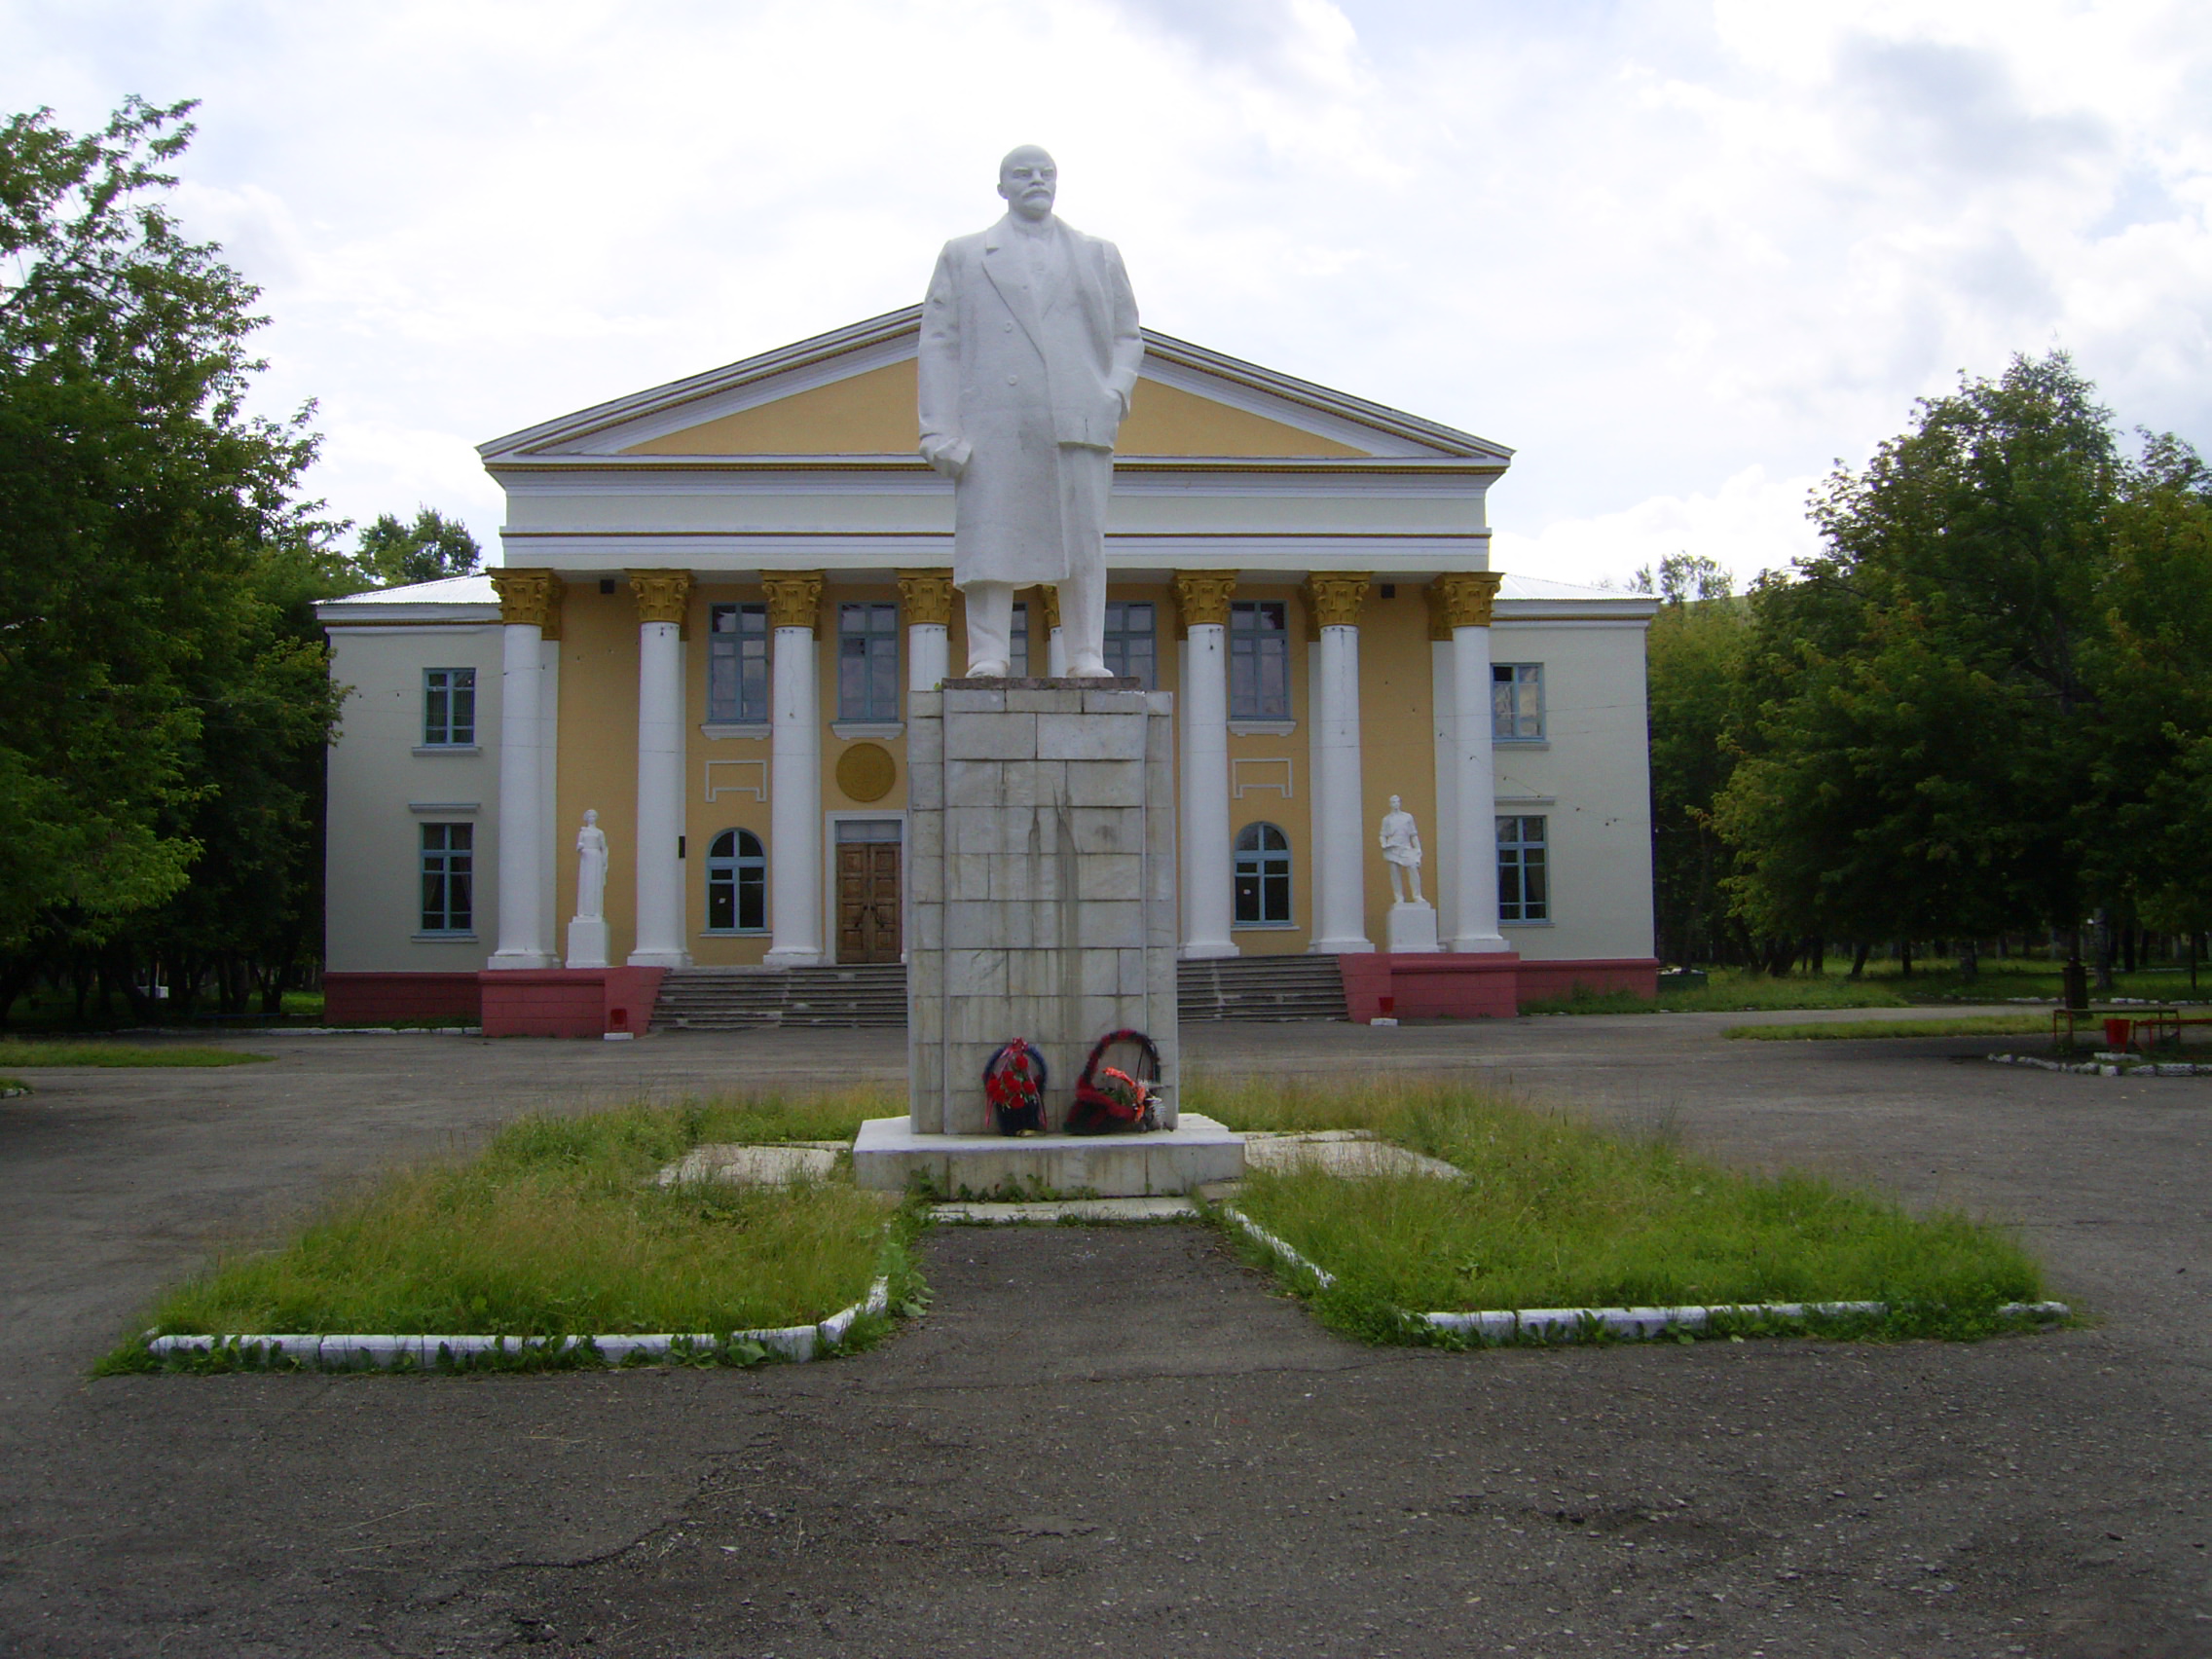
column 715, row 595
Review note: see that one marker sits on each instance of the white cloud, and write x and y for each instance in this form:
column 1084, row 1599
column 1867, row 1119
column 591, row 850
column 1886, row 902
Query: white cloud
column 1682, row 258
column 1751, row 523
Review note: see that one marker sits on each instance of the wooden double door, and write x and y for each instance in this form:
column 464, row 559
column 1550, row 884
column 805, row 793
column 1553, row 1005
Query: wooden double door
column 868, row 892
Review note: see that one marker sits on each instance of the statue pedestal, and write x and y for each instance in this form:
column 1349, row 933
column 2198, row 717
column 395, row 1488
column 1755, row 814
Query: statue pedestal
column 1040, row 865
column 587, row 941
column 1412, row 927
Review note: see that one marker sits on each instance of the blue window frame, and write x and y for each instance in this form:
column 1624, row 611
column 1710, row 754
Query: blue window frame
column 1259, row 660
column 737, row 663
column 1263, row 877
column 449, row 878
column 1017, row 643
column 737, row 884
column 449, row 708
column 1129, row 636
column 1524, row 874
column 1516, row 702
column 867, row 662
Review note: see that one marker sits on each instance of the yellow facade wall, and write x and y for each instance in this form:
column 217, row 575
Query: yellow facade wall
column 1295, row 816
column 598, row 754
column 873, row 413
column 1397, row 739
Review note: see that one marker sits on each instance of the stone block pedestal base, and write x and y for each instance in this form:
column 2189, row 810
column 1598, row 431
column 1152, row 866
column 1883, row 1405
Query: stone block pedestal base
column 1412, row 928
column 889, row 1153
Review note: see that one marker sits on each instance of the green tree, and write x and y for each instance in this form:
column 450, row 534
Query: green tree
column 1695, row 667
column 1935, row 732
column 147, row 524
column 393, row 554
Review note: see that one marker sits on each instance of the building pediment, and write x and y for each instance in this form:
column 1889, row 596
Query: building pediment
column 852, row 393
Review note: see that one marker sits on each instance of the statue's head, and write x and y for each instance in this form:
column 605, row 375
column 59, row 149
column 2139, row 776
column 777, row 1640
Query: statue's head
column 1393, row 804
column 591, row 820
column 1028, row 179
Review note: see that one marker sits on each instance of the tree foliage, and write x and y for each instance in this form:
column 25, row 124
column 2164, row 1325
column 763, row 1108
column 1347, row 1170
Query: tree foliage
column 1985, row 703
column 393, row 554
column 164, row 692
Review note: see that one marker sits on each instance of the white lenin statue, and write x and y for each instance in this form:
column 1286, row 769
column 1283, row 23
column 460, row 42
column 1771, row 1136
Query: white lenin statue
column 1029, row 354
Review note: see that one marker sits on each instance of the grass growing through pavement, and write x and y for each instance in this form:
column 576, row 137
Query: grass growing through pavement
column 1729, row 991
column 555, row 1228
column 14, row 1052
column 1990, row 1025
column 1553, row 1213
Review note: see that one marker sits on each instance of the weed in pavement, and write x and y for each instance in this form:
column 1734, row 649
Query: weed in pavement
column 36, row 1052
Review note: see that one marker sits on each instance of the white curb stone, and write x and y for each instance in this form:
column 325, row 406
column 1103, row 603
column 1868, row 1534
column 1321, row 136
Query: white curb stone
column 796, row 1343
column 1162, row 1208
column 1574, row 1324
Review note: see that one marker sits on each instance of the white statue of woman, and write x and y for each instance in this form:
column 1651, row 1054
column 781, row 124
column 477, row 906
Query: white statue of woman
column 1401, row 851
column 591, row 871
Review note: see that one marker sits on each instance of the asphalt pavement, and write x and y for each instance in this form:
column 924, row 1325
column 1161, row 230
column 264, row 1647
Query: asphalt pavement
column 1121, row 1440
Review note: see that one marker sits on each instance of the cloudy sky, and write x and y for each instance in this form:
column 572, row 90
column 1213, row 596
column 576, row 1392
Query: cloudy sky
column 1683, row 255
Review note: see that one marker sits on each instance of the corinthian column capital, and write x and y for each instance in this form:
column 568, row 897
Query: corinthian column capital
column 662, row 595
column 1201, row 600
column 1333, row 599
column 795, row 597
column 925, row 596
column 529, row 597
column 1462, row 600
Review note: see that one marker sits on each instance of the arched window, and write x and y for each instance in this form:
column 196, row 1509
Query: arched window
column 1263, row 877
column 737, row 884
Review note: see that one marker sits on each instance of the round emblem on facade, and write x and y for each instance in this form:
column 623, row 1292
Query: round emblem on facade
column 866, row 772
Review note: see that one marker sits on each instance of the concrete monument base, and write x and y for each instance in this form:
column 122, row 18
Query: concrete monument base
column 587, row 941
column 1041, row 871
column 1412, row 927
column 889, row 1153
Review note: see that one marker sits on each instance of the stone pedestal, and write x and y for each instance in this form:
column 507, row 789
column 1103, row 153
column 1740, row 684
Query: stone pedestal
column 1041, row 865
column 1412, row 926
column 587, row 941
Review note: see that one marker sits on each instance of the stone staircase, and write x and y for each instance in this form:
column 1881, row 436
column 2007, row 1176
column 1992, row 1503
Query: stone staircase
column 1260, row 988
column 762, row 999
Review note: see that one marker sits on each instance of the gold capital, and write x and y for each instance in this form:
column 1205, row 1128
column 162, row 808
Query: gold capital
column 795, row 597
column 1333, row 599
column 1051, row 606
column 663, row 595
column 1462, row 600
column 926, row 596
column 529, row 597
column 1201, row 600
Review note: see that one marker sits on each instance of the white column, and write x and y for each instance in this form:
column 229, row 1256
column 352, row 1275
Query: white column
column 1339, row 816
column 660, row 936
column 525, row 830
column 1443, row 870
column 1207, row 910
column 1465, row 602
column 794, row 777
column 925, row 598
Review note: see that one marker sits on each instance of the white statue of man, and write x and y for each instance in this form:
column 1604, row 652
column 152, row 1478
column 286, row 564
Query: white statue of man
column 1401, row 851
column 1029, row 356
column 591, row 871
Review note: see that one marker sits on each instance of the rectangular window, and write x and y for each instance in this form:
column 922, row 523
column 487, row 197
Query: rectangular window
column 1017, row 643
column 737, row 664
column 449, row 879
column 1523, row 878
column 1516, row 702
column 867, row 662
column 1259, row 660
column 449, row 708
column 1130, row 639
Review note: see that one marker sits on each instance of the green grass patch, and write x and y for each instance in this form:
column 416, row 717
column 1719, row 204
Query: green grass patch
column 1554, row 1213
column 14, row 1085
column 15, row 1052
column 557, row 1228
column 1987, row 1026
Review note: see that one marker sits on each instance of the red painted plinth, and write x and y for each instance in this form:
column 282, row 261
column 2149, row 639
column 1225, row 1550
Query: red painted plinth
column 380, row 999
column 1542, row 980
column 567, row 1002
column 1431, row 986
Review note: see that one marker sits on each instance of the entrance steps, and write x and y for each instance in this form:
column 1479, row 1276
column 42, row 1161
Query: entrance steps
column 1261, row 988
column 1257, row 989
column 766, row 999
